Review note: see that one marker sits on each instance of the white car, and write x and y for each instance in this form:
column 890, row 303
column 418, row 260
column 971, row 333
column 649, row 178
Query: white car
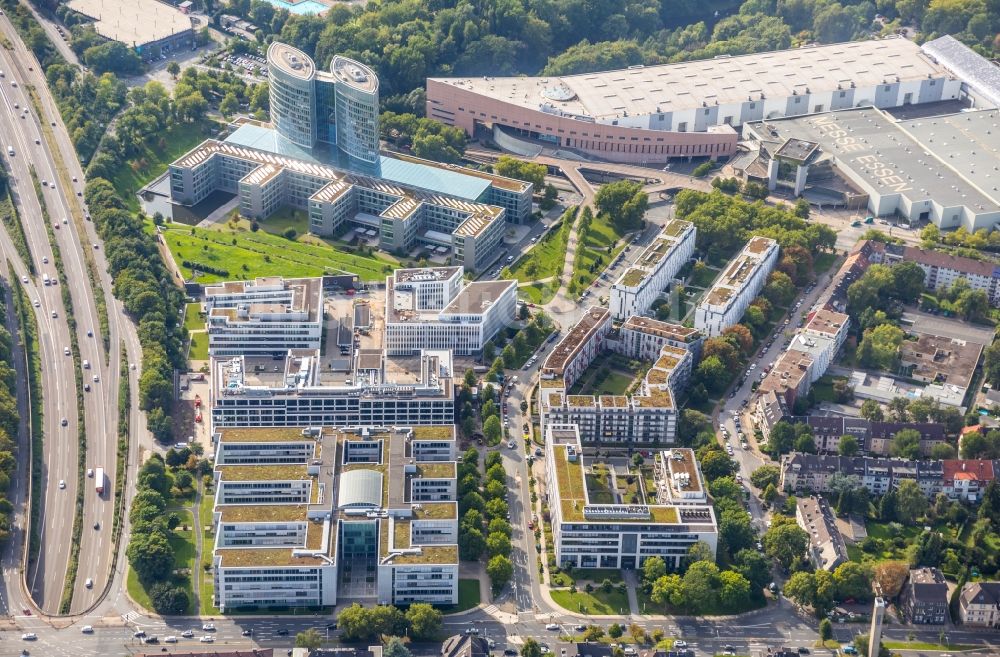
column 170, row 639
column 66, row 351
column 187, row 634
column 62, row 484
column 208, row 627
column 208, row 638
column 552, row 626
column 90, row 472
column 29, row 636
column 680, row 643
column 24, row 279
column 37, row 303
column 87, row 629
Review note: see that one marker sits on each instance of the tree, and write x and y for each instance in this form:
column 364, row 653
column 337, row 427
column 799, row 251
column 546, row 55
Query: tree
column 624, row 201
column 701, row 585
column 699, row 551
column 890, row 576
column 908, row 281
column 781, row 439
column 779, row 289
column 425, row 621
column 825, row 630
column 615, row 631
column 991, row 363
column 805, row 443
column 879, row 347
column 492, row 430
column 311, row 639
column 229, row 106
column 500, row 569
column 395, row 647
column 637, row 633
column 739, row 336
column 942, row 452
column 169, row 599
column 770, row 494
column 785, row 542
column 521, row 170
column 905, row 444
column 911, row 503
column 471, row 543
column 764, row 475
column 899, row 408
column 712, row 373
column 715, row 464
column 668, row 590
column 593, row 633
column 498, row 543
column 734, row 590
column 150, row 555
column 173, row 68
column 848, row 446
column 801, row 587
column 530, row 648
column 853, row 580
column 754, row 566
column 653, row 569
column 871, row 410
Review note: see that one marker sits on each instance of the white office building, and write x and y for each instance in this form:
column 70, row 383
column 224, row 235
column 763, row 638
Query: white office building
column 370, row 389
column 645, row 523
column 433, row 308
column 743, row 279
column 638, row 287
column 266, row 316
column 361, row 498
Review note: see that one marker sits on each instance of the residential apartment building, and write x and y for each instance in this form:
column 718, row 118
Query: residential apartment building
column 373, row 390
column 827, row 548
column 635, row 525
column 647, row 416
column 810, row 353
column 979, row 604
column 960, row 479
column 640, row 285
column 744, row 277
column 924, row 600
column 366, row 500
column 941, row 270
column 433, row 308
column 264, row 317
column 874, row 438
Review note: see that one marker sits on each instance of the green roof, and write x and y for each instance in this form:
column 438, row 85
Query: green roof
column 264, row 557
column 263, row 472
column 262, row 512
column 429, row 554
column 435, row 511
column 437, row 470
column 263, row 435
column 431, row 432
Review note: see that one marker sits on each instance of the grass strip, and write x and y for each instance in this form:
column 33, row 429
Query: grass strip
column 124, row 405
column 32, row 351
column 100, row 301
column 81, row 423
column 15, row 228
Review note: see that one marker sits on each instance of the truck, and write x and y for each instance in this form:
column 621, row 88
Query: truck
column 99, row 480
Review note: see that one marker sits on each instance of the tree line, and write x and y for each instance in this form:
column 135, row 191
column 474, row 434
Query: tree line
column 484, row 528
column 9, row 414
column 150, row 297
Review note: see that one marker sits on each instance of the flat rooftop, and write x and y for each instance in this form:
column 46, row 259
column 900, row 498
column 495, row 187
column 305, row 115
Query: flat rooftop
column 264, row 435
column 951, row 159
column 939, row 359
column 738, row 271
column 577, row 336
column 477, row 297
column 132, row 22
column 642, row 91
column 827, row 322
column 655, row 327
column 354, row 74
column 290, row 61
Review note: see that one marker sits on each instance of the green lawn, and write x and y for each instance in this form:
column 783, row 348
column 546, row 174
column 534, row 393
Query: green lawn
column 823, row 261
column 703, row 276
column 908, row 534
column 468, row 596
column 155, row 159
column 193, row 321
column 199, row 346
column 600, row 381
column 596, row 603
column 823, row 389
column 207, row 589
column 246, row 254
column 593, row 249
column 924, row 645
column 538, row 293
column 544, row 260
column 182, row 542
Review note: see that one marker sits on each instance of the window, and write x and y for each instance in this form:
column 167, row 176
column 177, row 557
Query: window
column 798, row 99
column 843, row 94
column 706, row 111
column 682, row 126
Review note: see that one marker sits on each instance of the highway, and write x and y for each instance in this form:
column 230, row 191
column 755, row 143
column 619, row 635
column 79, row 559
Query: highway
column 73, row 236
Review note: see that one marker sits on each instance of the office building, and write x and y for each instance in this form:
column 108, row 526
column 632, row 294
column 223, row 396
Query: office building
column 740, row 283
column 827, row 548
column 937, row 168
column 641, row 284
column 367, row 514
column 303, row 390
column 647, row 114
column 649, row 415
column 264, row 317
column 434, row 308
column 979, row 604
column 338, row 107
column 600, row 522
column 924, row 600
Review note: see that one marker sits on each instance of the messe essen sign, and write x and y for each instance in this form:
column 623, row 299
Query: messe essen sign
column 886, row 175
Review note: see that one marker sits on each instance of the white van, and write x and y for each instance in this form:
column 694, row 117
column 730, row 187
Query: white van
column 10, row 151
column 86, row 364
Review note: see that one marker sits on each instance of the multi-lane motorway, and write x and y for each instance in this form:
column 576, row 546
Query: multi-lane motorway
column 31, row 136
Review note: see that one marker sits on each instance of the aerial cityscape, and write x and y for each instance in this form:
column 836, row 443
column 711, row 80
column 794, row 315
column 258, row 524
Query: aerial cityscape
column 500, row 328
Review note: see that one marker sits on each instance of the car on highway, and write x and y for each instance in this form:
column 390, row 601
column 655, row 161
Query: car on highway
column 86, row 387
column 54, row 314
column 282, row 632
column 510, row 444
column 66, row 351
column 64, row 422
column 187, row 634
column 36, row 303
column 96, row 378
column 89, row 583
column 680, row 643
column 246, row 632
column 580, row 628
column 208, row 627
column 170, row 639
column 45, row 260
column 90, row 334
column 138, row 634
column 552, row 626
column 62, row 484
column 87, row 629
column 29, row 636
column 208, row 638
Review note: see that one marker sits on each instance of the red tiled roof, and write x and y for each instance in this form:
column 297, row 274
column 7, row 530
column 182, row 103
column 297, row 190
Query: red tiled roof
column 967, row 469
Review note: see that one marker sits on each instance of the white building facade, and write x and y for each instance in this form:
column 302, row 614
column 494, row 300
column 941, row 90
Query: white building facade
column 743, row 279
column 638, row 287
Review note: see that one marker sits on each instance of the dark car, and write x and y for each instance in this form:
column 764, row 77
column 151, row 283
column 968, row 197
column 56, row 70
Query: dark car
column 510, row 652
column 282, row 632
column 803, row 650
column 246, row 633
